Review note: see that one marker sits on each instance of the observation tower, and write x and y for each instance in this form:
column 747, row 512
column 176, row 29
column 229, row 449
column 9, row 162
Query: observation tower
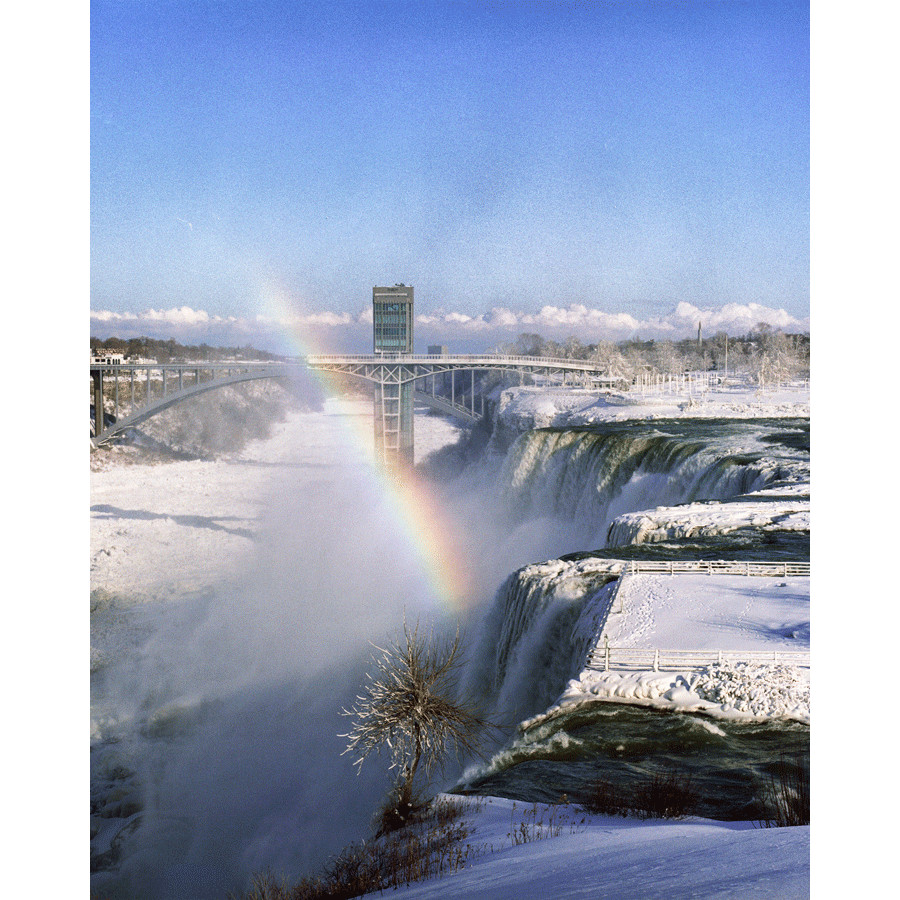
column 392, row 320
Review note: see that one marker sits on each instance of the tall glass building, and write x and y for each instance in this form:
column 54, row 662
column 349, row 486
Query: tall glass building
column 392, row 309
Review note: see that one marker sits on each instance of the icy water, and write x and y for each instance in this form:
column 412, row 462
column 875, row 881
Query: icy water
column 216, row 750
column 728, row 765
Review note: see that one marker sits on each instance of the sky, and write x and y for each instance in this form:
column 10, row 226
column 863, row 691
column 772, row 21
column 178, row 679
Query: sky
column 607, row 170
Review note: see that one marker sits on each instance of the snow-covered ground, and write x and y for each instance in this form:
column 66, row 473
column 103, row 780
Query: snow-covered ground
column 174, row 530
column 536, row 407
column 702, row 612
column 564, row 853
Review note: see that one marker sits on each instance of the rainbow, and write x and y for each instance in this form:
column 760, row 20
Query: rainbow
column 417, row 514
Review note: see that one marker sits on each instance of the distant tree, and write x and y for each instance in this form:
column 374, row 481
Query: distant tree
column 715, row 350
column 777, row 357
column 665, row 358
column 572, row 348
column 613, row 360
column 137, row 347
column 409, row 705
column 527, row 345
column 636, row 353
column 553, row 350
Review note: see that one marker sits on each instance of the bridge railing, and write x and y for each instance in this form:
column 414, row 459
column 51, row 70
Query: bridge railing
column 485, row 359
column 128, row 392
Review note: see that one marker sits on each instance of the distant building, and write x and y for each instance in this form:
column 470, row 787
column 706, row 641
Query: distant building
column 392, row 309
column 102, row 357
column 437, row 350
column 392, row 319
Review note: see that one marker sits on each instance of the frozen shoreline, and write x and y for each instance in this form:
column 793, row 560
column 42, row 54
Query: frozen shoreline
column 731, row 691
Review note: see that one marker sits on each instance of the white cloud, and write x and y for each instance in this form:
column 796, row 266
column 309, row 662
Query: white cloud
column 327, row 319
column 501, row 318
column 184, row 315
column 499, row 323
column 734, row 318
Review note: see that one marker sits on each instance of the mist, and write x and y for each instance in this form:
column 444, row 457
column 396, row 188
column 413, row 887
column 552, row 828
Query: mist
column 228, row 711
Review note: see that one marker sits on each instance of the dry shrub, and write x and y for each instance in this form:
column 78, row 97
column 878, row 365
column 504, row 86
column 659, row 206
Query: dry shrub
column 428, row 846
column 665, row 796
column 606, row 799
column 786, row 794
column 660, row 796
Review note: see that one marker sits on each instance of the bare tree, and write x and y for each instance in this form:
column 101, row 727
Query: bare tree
column 409, row 706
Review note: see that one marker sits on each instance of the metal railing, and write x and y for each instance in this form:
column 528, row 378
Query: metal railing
column 457, row 359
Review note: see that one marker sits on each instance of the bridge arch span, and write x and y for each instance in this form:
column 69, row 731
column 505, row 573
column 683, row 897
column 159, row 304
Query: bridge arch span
column 390, row 373
column 158, row 404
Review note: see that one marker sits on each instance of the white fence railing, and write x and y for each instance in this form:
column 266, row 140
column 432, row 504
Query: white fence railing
column 715, row 567
column 655, row 660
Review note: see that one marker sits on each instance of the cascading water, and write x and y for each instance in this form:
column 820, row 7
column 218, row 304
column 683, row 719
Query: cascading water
column 536, row 634
column 593, row 476
column 620, row 487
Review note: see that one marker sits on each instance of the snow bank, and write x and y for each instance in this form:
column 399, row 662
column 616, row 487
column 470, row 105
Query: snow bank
column 524, row 408
column 728, row 690
column 665, row 523
column 564, row 853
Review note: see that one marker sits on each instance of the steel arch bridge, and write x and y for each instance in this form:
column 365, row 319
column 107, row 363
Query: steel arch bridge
column 137, row 391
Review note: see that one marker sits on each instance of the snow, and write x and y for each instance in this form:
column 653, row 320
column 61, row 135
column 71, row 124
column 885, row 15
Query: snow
column 175, row 530
column 533, row 407
column 792, row 513
column 569, row 854
column 711, row 612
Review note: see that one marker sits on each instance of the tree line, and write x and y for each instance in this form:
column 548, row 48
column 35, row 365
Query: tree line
column 767, row 354
column 170, row 351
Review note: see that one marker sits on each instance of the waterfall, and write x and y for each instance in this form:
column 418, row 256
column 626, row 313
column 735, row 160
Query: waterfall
column 591, row 477
column 619, row 485
column 536, row 635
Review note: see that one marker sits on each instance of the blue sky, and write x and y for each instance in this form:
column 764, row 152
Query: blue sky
column 600, row 169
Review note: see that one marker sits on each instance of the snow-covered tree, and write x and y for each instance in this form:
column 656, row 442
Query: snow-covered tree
column 776, row 356
column 409, row 706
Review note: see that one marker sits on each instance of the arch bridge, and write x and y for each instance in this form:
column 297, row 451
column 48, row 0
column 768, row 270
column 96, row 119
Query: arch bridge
column 131, row 393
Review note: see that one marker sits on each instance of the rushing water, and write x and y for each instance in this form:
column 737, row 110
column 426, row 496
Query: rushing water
column 590, row 476
column 728, row 765
column 217, row 752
